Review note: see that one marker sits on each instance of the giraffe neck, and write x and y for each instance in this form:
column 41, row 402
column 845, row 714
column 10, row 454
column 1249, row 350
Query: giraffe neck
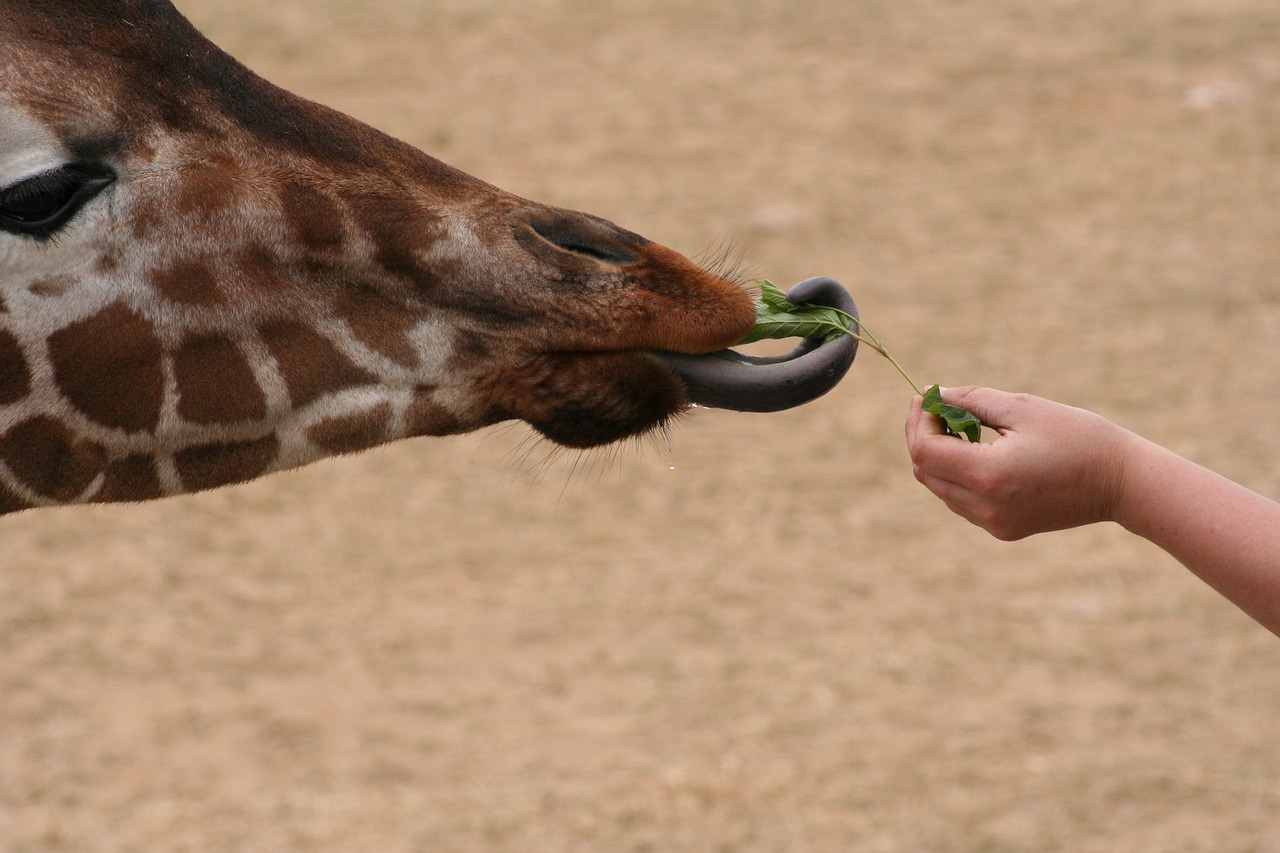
column 48, row 460
column 133, row 398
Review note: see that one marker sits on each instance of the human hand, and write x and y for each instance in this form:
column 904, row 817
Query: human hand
column 1051, row 467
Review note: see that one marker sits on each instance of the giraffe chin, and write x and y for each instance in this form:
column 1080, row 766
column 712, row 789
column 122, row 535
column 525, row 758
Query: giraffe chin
column 585, row 400
column 732, row 380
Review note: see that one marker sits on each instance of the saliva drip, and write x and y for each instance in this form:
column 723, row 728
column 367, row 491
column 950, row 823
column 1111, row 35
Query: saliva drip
column 666, row 439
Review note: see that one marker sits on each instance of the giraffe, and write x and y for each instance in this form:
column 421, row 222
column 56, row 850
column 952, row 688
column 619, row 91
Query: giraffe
column 205, row 279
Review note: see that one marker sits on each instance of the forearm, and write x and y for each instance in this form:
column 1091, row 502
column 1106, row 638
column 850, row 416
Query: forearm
column 1226, row 534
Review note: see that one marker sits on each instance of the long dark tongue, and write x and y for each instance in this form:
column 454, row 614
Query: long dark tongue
column 745, row 383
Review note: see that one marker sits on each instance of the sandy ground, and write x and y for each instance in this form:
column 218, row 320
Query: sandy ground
column 784, row 644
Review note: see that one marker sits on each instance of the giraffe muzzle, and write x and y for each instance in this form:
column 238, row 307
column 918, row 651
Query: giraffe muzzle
column 732, row 380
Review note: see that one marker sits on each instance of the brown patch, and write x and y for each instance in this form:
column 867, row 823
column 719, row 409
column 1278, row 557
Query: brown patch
column 15, row 377
column 353, row 432
column 50, row 459
column 212, row 465
column 400, row 231
column 313, row 217
column 216, row 384
column 108, row 366
column 381, row 323
column 209, row 187
column 148, row 217
column 260, row 265
column 10, row 502
column 52, row 286
column 191, row 282
column 309, row 362
column 132, row 478
column 4, row 306
column 428, row 417
column 470, row 346
column 107, row 263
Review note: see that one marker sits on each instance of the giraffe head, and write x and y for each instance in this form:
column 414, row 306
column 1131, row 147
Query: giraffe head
column 204, row 278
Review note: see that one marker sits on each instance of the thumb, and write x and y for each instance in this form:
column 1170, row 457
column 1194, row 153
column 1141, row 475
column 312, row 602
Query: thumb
column 994, row 408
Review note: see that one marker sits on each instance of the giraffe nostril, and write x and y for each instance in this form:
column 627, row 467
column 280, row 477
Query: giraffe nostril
column 582, row 235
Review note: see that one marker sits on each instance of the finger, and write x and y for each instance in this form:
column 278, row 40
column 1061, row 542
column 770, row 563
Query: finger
column 920, row 423
column 954, row 496
column 938, row 453
column 942, row 488
column 994, row 408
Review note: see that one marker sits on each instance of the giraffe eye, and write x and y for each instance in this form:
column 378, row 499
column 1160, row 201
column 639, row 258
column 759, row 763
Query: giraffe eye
column 40, row 206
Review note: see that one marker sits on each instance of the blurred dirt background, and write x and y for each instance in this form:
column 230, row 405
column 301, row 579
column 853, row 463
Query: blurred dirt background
column 784, row 644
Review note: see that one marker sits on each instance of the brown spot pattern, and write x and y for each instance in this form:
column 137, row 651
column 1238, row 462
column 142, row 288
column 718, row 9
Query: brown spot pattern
column 209, row 188
column 259, row 265
column 310, row 364
column 314, row 218
column 10, row 502
column 15, row 377
column 212, row 465
column 108, row 262
column 109, row 367
column 148, row 217
column 191, row 282
column 216, row 384
column 428, row 417
column 132, row 478
column 52, row 286
column 49, row 459
column 381, row 323
column 353, row 432
column 399, row 229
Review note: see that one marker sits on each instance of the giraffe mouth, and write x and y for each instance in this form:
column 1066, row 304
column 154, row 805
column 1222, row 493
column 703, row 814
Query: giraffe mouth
column 727, row 379
column 588, row 398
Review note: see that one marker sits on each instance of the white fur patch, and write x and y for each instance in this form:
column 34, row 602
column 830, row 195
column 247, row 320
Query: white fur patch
column 27, row 148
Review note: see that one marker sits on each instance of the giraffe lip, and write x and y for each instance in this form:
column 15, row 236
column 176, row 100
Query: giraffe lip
column 732, row 380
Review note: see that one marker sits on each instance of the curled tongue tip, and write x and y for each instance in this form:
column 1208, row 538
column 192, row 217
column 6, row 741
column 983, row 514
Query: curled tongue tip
column 744, row 383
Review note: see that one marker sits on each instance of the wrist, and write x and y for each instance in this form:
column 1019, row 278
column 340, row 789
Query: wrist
column 1138, row 476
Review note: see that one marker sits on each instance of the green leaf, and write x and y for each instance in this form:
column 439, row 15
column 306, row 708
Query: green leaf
column 959, row 421
column 778, row 318
column 773, row 296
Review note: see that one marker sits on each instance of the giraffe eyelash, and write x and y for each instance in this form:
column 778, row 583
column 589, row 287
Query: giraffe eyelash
column 41, row 206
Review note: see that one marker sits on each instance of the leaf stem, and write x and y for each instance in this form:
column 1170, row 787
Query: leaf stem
column 777, row 317
column 867, row 337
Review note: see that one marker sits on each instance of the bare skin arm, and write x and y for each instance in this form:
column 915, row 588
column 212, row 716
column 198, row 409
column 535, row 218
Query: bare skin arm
column 1054, row 467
